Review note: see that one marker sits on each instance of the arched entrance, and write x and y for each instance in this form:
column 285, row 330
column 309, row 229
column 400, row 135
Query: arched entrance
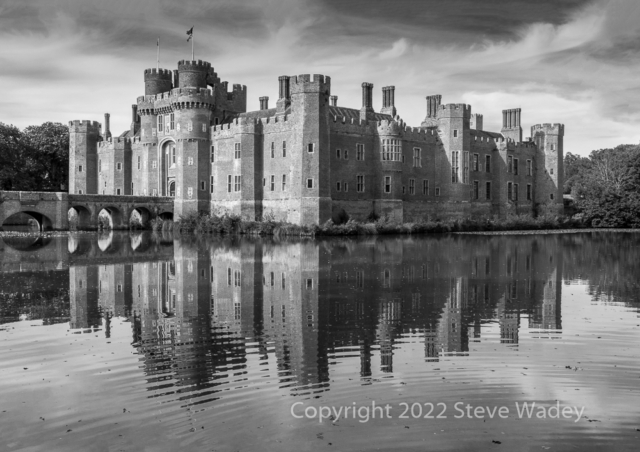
column 27, row 221
column 168, row 159
column 172, row 189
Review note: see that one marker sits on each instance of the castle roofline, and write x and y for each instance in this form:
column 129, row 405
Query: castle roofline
column 352, row 113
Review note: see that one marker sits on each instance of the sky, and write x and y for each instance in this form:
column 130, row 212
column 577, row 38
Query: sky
column 574, row 62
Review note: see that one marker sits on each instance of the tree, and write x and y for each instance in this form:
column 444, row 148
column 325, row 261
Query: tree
column 50, row 143
column 16, row 162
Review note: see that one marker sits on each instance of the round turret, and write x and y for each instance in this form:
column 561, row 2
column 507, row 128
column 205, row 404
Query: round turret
column 193, row 74
column 157, row 81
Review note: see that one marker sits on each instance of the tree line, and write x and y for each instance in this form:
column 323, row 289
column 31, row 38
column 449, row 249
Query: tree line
column 605, row 186
column 34, row 159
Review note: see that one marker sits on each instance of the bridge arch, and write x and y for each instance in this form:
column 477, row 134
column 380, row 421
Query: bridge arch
column 139, row 217
column 111, row 217
column 80, row 218
column 27, row 220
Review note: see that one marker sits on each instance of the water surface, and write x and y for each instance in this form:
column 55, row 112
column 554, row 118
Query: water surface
column 143, row 342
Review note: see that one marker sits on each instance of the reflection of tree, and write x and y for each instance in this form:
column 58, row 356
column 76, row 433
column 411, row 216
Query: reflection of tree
column 34, row 296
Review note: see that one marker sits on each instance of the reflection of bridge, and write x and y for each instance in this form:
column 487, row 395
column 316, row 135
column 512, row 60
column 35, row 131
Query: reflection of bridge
column 51, row 210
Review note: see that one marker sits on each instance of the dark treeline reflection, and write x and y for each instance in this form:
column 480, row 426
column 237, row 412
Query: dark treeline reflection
column 198, row 309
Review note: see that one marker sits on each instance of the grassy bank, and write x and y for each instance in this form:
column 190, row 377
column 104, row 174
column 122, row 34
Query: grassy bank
column 234, row 225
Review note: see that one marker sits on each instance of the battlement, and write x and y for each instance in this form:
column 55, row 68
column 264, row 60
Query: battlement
column 118, row 140
column 309, row 83
column 193, row 65
column 84, row 126
column 239, row 88
column 154, row 73
column 454, row 111
column 186, row 92
column 549, row 129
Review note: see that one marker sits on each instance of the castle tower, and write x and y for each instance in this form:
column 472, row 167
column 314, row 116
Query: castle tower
column 454, row 123
column 389, row 193
column 83, row 157
column 511, row 128
column 477, row 121
column 156, row 81
column 549, row 139
column 192, row 104
column 310, row 104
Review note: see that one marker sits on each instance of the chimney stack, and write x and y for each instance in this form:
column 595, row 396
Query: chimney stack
column 511, row 128
column 264, row 103
column 334, row 101
column 389, row 100
column 367, row 101
column 135, row 120
column 107, row 129
column 284, row 95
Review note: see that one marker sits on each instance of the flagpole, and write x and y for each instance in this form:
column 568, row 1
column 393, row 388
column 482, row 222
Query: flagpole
column 158, row 57
column 193, row 39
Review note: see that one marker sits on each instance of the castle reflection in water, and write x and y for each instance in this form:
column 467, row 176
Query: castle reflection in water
column 198, row 309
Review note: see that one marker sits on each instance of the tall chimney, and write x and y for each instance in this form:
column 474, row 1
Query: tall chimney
column 284, row 94
column 135, row 119
column 511, row 125
column 107, row 129
column 334, row 101
column 264, row 103
column 388, row 101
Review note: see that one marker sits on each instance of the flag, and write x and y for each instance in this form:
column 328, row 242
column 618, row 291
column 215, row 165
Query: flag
column 190, row 34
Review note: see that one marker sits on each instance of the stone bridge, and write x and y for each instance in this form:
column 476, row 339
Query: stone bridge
column 50, row 211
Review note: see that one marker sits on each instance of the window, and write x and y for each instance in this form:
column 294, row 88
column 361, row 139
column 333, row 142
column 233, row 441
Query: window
column 476, row 190
column 119, row 166
column 153, row 131
column 273, row 150
column 284, row 182
column 132, row 188
column 310, row 284
column 273, row 182
column 204, row 127
column 105, row 183
column 528, row 192
column 210, row 184
column 203, row 185
column 80, row 168
column 417, row 158
column 338, row 153
column 487, row 193
column 455, row 133
column 172, row 121
column 404, row 189
column 529, row 168
column 391, row 150
column 99, row 165
column 359, row 151
column 412, row 186
column 465, row 167
column 437, row 191
column 284, row 148
column 515, row 192
column 475, row 163
column 139, row 163
column 190, row 161
column 346, row 154
column 160, row 123
column 551, row 171
column 487, row 163
column 425, row 187
column 455, row 166
column 237, row 183
column 190, row 126
column 310, row 147
column 551, row 196
column 338, row 186
column 80, row 192
column 190, row 192
column 117, row 191
column 173, row 155
column 229, row 183
column 509, row 164
column 360, row 183
column 346, row 186
column 510, row 191
column 213, row 154
column 515, row 167
column 236, row 151
column 553, row 147
column 387, row 184
column 154, row 164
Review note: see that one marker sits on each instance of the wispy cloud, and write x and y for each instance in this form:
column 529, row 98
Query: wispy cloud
column 570, row 61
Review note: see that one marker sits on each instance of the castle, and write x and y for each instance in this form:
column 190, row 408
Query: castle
column 309, row 160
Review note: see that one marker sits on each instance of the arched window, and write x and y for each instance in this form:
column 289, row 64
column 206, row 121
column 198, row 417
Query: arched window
column 172, row 188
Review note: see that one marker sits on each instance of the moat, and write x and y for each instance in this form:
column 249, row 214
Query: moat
column 141, row 341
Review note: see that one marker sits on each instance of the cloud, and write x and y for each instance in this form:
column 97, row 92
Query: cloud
column 570, row 61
